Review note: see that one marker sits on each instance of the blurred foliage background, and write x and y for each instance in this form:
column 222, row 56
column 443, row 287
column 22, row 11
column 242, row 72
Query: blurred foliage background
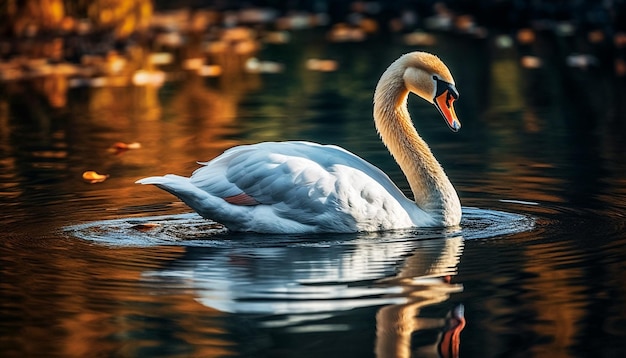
column 30, row 17
column 85, row 43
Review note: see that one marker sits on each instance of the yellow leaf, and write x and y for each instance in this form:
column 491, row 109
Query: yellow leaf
column 92, row 177
column 120, row 147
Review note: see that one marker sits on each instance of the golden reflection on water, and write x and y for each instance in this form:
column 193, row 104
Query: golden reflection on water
column 505, row 92
column 425, row 281
column 546, row 308
column 92, row 301
column 95, row 307
column 556, row 295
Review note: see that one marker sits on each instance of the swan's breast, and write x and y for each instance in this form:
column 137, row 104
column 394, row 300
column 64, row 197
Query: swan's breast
column 369, row 201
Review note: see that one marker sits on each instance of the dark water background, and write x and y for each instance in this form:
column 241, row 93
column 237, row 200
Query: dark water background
column 546, row 143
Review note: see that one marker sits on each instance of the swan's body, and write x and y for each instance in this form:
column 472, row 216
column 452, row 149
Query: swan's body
column 302, row 187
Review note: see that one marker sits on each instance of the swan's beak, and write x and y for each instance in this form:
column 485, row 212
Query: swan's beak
column 445, row 96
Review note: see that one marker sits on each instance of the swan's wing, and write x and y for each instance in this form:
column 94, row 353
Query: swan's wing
column 287, row 173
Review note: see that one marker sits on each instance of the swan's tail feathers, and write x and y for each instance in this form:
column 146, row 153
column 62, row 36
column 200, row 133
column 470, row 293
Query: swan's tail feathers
column 171, row 183
column 180, row 186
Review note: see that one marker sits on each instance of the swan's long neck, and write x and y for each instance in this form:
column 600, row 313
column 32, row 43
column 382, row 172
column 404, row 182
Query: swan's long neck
column 431, row 187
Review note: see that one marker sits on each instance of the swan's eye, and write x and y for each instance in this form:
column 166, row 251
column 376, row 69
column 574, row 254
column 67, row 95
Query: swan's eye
column 442, row 86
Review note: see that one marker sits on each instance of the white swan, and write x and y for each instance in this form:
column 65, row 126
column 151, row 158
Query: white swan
column 303, row 187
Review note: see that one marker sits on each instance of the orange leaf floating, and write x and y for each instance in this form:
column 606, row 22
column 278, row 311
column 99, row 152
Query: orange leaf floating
column 315, row 64
column 133, row 145
column 120, row 147
column 92, row 177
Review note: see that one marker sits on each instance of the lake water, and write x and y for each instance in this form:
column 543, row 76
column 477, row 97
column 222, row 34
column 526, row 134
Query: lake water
column 118, row 269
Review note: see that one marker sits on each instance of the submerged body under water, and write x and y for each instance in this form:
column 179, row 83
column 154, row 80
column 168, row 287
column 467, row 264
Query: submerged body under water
column 193, row 230
column 116, row 269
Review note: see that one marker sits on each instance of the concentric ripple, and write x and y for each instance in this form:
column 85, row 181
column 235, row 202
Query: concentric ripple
column 192, row 230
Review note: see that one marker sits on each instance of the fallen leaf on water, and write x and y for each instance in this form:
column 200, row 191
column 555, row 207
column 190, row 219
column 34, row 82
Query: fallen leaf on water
column 145, row 227
column 121, row 147
column 92, row 177
column 315, row 64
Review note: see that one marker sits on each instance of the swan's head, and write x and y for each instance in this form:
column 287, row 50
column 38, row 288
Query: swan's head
column 428, row 77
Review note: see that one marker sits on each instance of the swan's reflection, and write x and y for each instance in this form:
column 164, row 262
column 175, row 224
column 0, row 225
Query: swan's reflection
column 300, row 284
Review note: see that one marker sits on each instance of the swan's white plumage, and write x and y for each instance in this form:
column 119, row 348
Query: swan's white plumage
column 303, row 187
column 299, row 187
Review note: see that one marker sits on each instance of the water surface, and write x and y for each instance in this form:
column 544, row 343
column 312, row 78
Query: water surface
column 536, row 267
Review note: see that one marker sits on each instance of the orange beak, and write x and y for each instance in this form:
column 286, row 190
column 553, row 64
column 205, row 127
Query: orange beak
column 443, row 101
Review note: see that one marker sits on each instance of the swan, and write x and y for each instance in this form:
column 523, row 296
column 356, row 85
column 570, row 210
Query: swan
column 305, row 187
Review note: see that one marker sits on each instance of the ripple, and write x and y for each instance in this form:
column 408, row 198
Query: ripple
column 293, row 280
column 191, row 229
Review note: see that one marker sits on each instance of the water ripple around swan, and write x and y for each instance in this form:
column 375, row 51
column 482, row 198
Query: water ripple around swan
column 192, row 230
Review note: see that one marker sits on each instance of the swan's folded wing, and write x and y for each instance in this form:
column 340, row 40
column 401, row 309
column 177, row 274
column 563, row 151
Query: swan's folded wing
column 290, row 175
column 271, row 174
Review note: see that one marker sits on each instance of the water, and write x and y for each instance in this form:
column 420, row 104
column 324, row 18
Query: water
column 118, row 269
